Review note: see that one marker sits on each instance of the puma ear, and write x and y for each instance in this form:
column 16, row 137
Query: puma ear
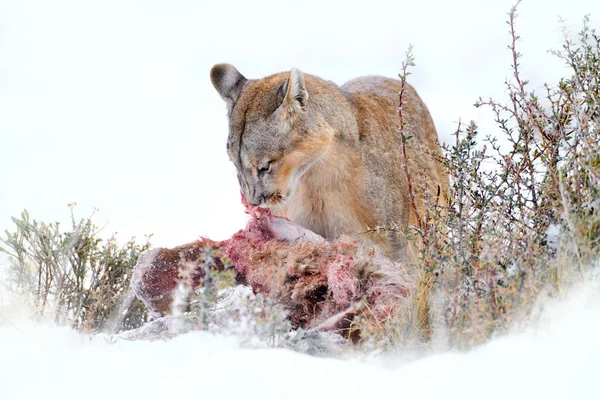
column 228, row 81
column 296, row 95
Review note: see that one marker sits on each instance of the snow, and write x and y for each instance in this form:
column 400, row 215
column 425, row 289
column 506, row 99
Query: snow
column 556, row 358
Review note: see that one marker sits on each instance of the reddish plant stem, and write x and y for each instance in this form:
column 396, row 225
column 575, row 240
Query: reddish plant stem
column 411, row 193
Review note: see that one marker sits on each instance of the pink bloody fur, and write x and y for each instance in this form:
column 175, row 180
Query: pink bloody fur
column 319, row 282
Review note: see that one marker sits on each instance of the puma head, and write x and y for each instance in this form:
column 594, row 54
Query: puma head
column 273, row 135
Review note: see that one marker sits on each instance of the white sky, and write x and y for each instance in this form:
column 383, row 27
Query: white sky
column 109, row 103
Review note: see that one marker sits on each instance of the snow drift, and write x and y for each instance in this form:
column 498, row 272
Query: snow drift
column 558, row 357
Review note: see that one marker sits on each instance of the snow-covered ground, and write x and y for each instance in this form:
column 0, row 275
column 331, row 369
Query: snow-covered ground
column 558, row 358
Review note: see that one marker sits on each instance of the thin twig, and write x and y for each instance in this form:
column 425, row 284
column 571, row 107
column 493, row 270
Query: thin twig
column 403, row 75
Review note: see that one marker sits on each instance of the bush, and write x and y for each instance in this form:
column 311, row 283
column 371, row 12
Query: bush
column 214, row 303
column 74, row 276
column 523, row 213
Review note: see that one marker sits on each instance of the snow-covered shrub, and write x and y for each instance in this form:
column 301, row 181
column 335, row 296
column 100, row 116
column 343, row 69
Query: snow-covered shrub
column 488, row 253
column 72, row 275
column 208, row 296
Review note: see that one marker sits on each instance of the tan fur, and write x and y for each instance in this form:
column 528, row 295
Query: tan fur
column 330, row 158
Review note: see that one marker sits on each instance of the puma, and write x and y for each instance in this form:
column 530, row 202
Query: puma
column 328, row 157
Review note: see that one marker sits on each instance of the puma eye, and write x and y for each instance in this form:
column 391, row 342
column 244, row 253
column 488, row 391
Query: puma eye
column 265, row 168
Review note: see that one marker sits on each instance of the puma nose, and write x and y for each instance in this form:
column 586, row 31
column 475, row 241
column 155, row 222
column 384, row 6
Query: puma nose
column 258, row 200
